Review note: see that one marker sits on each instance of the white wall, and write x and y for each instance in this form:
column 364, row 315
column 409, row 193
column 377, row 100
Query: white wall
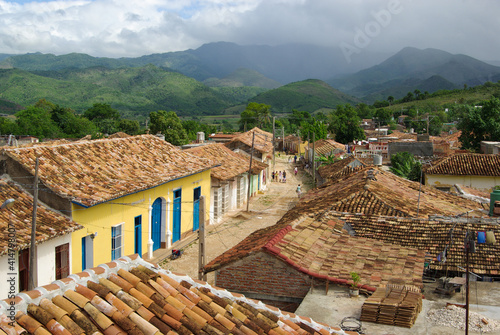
column 46, row 262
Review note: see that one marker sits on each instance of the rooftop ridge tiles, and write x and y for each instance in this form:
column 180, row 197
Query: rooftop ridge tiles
column 103, row 311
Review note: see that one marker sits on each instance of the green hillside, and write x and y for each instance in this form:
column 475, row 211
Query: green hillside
column 136, row 91
column 243, row 77
column 445, row 98
column 307, row 95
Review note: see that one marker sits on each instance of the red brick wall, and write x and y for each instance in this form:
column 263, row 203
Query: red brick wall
column 264, row 274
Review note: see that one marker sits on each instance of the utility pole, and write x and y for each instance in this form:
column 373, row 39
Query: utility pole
column 274, row 142
column 250, row 172
column 33, row 275
column 298, row 148
column 201, row 236
column 283, row 136
column 313, row 160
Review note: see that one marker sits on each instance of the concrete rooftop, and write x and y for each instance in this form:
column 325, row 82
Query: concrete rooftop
column 337, row 305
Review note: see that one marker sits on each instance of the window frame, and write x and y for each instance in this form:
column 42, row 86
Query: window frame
column 114, row 248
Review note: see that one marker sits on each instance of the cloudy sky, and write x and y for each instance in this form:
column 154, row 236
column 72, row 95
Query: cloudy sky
column 119, row 28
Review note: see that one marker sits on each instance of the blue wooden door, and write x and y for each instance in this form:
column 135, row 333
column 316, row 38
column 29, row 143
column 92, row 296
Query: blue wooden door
column 156, row 222
column 177, row 216
column 196, row 208
column 87, row 253
column 138, row 235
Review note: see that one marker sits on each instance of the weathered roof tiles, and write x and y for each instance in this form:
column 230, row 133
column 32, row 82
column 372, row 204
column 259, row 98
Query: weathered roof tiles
column 145, row 300
column 466, row 165
column 231, row 163
column 50, row 224
column 92, row 172
column 263, row 140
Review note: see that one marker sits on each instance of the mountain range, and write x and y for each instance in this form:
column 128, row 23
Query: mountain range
column 215, row 76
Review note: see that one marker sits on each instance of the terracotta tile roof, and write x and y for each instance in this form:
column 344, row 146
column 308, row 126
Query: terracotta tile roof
column 382, row 194
column 326, row 147
column 223, row 136
column 432, row 236
column 342, row 168
column 466, row 165
column 119, row 134
column 231, row 163
column 263, row 141
column 257, row 166
column 92, row 172
column 133, row 297
column 50, row 224
column 317, row 249
column 252, row 243
column 402, row 136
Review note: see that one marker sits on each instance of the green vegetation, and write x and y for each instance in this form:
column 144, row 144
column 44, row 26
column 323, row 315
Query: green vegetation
column 405, row 165
column 134, row 92
column 479, row 124
column 168, row 124
column 355, row 280
column 345, row 124
column 307, row 95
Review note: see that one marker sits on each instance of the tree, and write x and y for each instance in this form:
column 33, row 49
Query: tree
column 168, row 124
column 384, row 116
column 390, row 99
column 100, row 111
column 480, row 124
column 7, row 126
column 405, row 165
column 248, row 120
column 130, row 127
column 319, row 129
column 255, row 114
column 193, row 127
column 345, row 124
column 37, row 121
column 104, row 117
column 326, row 160
column 70, row 124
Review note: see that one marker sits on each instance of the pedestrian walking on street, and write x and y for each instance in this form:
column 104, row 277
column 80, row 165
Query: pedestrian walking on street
column 284, row 176
column 273, row 175
column 295, row 159
column 298, row 191
column 280, row 176
column 295, row 170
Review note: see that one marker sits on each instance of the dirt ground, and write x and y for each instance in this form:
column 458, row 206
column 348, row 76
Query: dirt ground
column 264, row 211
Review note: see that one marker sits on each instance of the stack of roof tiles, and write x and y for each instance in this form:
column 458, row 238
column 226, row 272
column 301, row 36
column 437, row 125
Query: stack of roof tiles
column 92, row 172
column 468, row 164
column 398, row 306
column 50, row 224
column 231, row 164
column 146, row 301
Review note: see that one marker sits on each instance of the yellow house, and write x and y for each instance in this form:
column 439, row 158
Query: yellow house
column 132, row 195
column 478, row 171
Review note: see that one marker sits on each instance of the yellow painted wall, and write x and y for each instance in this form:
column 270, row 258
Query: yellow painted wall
column 102, row 217
column 480, row 182
column 303, row 147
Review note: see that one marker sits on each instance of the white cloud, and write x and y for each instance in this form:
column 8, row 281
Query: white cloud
column 119, row 28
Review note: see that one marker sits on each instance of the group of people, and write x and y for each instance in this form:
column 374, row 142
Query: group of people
column 279, row 176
